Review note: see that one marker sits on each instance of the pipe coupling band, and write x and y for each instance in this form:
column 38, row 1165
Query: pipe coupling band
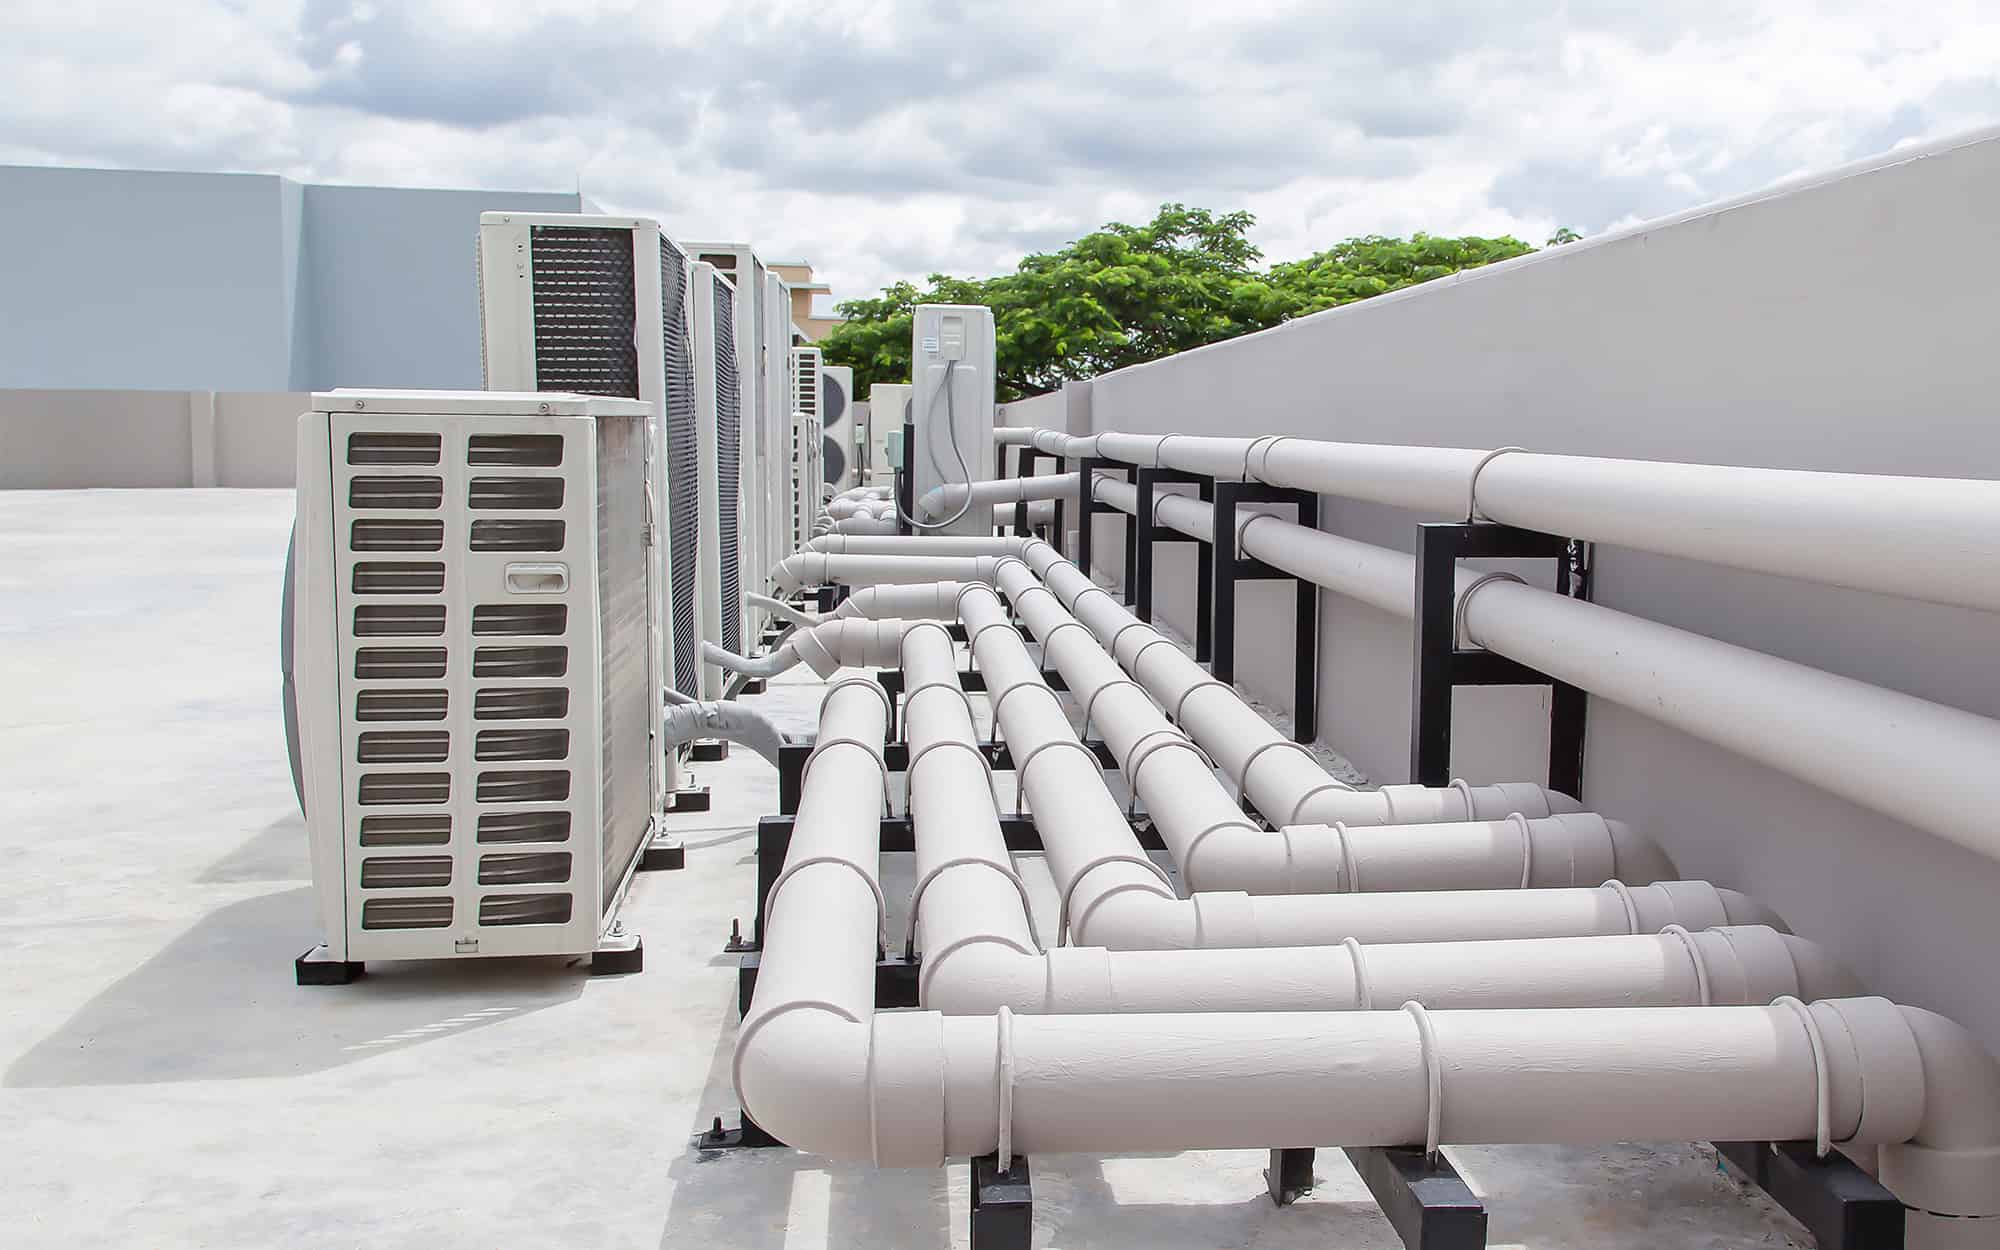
column 963, row 861
column 1063, row 912
column 888, row 705
column 910, row 769
column 1472, row 483
column 874, row 752
column 1625, row 897
column 1243, row 780
column 874, row 887
column 1273, row 440
column 1050, row 637
column 1363, row 999
column 1119, row 633
column 1215, row 682
column 1822, row 1078
column 972, row 641
column 1140, row 654
column 1021, row 766
column 953, row 685
column 1000, row 701
column 1465, row 597
column 1703, row 991
column 1433, row 1077
column 1090, row 704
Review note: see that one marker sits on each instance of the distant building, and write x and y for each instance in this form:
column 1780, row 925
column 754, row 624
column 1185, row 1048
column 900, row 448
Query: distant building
column 140, row 280
column 798, row 275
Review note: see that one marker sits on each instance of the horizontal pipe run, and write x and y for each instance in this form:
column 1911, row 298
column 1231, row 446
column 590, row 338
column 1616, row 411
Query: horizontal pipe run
column 1929, row 538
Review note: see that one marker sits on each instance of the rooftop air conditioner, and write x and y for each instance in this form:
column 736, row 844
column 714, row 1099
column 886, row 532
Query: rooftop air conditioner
column 761, row 431
column 719, row 412
column 478, row 709
column 836, row 422
column 952, row 363
column 888, row 408
column 599, row 305
column 775, row 469
column 806, row 446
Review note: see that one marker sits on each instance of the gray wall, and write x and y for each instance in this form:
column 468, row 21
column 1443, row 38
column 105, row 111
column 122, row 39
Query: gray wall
column 393, row 287
column 80, row 438
column 138, row 280
column 163, row 281
column 1843, row 324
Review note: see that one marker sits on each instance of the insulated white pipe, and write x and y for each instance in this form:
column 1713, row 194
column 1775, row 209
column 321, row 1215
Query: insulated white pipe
column 1929, row 765
column 918, row 545
column 884, row 522
column 1217, row 848
column 1931, row 538
column 826, row 647
column 1013, row 435
column 945, row 499
column 779, row 608
column 684, row 722
column 1281, row 778
column 1114, row 898
column 817, row 1066
column 812, row 568
column 927, row 601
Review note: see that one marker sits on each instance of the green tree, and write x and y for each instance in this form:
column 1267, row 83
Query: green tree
column 1126, row 294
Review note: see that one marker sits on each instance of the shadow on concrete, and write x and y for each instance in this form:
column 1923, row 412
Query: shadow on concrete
column 279, row 852
column 219, row 1002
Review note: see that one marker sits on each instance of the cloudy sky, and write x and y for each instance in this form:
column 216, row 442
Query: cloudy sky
column 884, row 140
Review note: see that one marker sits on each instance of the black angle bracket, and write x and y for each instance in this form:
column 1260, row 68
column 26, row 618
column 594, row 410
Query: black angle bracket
column 1026, row 462
column 1232, row 566
column 1426, row 1201
column 1441, row 664
column 1149, row 532
column 1089, row 506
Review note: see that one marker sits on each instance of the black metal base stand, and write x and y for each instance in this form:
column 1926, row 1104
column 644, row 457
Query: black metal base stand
column 663, row 854
column 317, row 967
column 1427, row 1202
column 708, row 751
column 1232, row 566
column 753, row 686
column 695, row 800
column 1290, row 1176
column 1003, row 1204
column 617, row 954
column 1842, row 1206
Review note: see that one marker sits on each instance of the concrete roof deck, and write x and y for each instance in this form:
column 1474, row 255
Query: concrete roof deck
column 163, row 1082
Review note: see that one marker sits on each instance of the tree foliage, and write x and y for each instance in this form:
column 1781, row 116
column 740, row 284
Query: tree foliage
column 1126, row 294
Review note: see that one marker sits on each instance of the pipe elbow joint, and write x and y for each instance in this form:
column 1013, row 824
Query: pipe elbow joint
column 980, row 975
column 803, row 1074
column 1948, row 1170
column 1639, row 860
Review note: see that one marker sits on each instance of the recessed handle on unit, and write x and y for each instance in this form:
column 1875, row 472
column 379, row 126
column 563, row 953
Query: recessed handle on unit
column 537, row 579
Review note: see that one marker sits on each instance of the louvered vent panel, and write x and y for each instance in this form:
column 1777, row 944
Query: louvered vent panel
column 524, row 868
column 584, row 310
column 517, row 535
column 429, row 829
column 521, row 703
column 520, row 662
column 407, row 913
column 396, row 492
column 629, row 692
column 683, row 473
column 511, row 909
column 393, row 447
column 541, row 451
column 385, row 534
column 394, row 620
column 524, row 827
column 728, row 467
column 515, row 493
column 391, row 663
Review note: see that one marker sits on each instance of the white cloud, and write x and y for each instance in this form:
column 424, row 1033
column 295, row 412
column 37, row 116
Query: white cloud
column 886, row 139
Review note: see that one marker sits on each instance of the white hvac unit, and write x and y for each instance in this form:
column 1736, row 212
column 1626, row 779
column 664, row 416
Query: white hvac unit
column 888, row 408
column 951, row 410
column 806, row 469
column 863, row 414
column 718, row 389
column 775, row 416
column 478, row 710
column 748, row 278
column 599, row 305
column 836, row 422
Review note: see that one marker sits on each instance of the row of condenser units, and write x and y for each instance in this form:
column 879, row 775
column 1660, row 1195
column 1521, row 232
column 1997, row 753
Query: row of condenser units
column 498, row 596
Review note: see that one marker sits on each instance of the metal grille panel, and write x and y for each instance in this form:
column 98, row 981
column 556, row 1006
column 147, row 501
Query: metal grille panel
column 584, row 310
column 683, row 473
column 728, row 466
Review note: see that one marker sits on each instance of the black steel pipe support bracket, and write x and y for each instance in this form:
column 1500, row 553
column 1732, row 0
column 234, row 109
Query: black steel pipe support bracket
column 1149, row 532
column 1231, row 566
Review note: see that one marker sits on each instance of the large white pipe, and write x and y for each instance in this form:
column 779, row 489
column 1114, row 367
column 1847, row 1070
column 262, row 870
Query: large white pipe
column 1114, row 898
column 1217, row 848
column 1929, row 765
column 884, row 522
column 1013, row 435
column 980, row 952
column 1930, row 538
column 1281, row 778
column 816, row 1065
column 812, row 568
column 924, row 601
column 917, row 545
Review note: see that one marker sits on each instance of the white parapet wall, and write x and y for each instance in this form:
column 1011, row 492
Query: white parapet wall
column 64, row 439
column 1834, row 323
